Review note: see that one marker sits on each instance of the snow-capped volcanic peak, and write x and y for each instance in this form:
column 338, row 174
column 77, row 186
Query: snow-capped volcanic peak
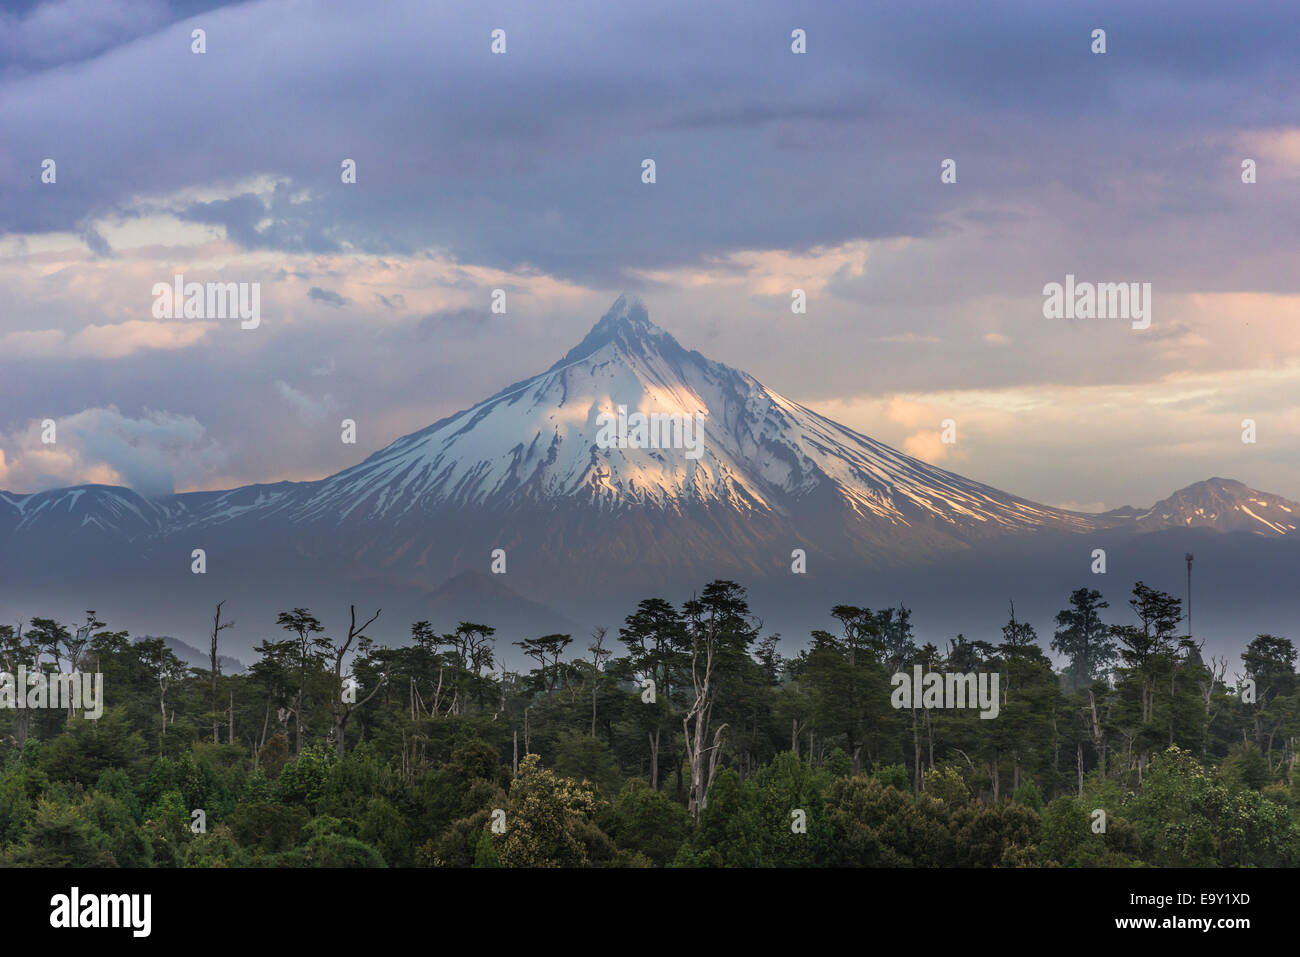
column 540, row 439
column 571, row 434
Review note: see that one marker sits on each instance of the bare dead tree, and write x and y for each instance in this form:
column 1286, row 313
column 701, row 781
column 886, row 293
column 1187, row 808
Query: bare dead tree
column 796, row 729
column 340, row 707
column 696, row 722
column 1098, row 731
column 75, row 646
column 598, row 656
column 217, row 629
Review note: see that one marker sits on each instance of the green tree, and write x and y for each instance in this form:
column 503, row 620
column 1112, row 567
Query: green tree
column 1083, row 638
column 309, row 650
column 546, row 818
column 645, row 821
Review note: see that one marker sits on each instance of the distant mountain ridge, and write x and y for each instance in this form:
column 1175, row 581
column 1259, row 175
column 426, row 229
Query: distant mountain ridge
column 1224, row 505
column 195, row 658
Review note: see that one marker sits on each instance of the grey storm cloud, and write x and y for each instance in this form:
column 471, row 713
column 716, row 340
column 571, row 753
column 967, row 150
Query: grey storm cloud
column 95, row 242
column 36, row 34
column 40, row 34
column 255, row 224
column 533, row 158
column 433, row 324
column 317, row 294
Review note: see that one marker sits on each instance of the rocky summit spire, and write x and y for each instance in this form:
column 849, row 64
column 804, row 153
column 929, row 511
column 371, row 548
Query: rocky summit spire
column 628, row 324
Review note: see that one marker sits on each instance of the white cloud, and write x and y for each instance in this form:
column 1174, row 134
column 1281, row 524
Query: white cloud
column 151, row 454
column 310, row 409
column 111, row 341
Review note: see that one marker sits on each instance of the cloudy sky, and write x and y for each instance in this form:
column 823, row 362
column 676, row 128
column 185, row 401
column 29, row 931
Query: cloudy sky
column 774, row 171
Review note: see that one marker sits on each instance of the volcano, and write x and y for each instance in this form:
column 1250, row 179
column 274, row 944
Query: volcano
column 524, row 471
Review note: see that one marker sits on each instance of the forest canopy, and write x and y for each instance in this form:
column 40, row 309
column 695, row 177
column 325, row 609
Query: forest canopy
column 682, row 739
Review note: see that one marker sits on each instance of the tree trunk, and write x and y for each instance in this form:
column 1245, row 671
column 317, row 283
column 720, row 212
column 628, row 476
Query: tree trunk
column 699, row 713
column 1098, row 737
column 654, row 760
column 217, row 629
column 1078, row 760
column 266, row 720
column 916, row 755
